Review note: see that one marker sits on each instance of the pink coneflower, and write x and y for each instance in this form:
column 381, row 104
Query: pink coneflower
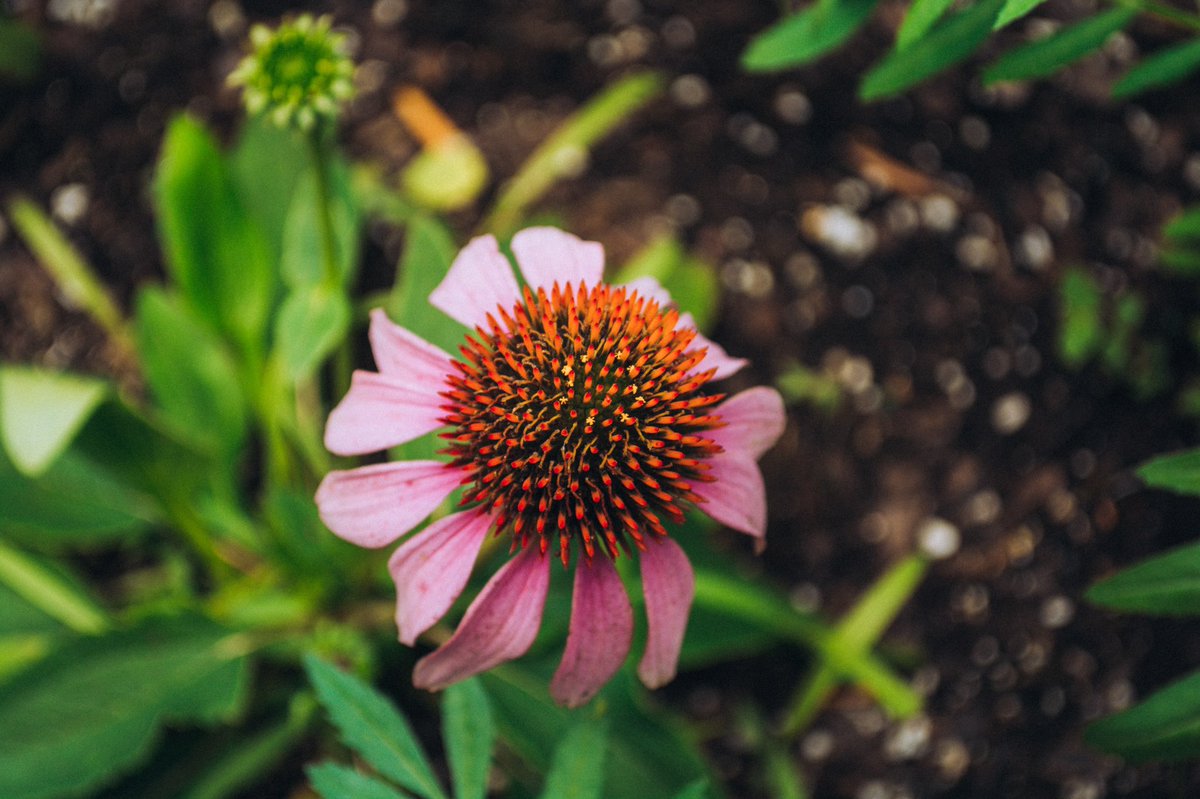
column 577, row 423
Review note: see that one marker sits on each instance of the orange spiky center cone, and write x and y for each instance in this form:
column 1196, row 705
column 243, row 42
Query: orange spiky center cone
column 578, row 417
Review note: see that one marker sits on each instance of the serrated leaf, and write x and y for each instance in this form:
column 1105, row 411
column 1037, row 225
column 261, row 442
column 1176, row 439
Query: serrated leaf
column 946, row 44
column 1080, row 332
column 310, row 325
column 215, row 252
column 191, row 373
column 93, row 708
column 469, row 732
column 805, row 36
column 41, row 411
column 1166, row 726
column 1167, row 584
column 1164, row 68
column 1179, row 471
column 920, row 17
column 1015, row 9
column 373, row 727
column 332, row 781
column 578, row 770
column 1040, row 58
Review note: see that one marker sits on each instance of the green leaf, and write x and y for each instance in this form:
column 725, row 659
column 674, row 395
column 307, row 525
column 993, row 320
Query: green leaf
column 243, row 760
column 1042, row 57
column 428, row 252
column 262, row 166
column 1184, row 262
column 214, row 251
column 1015, row 9
column 803, row 37
column 302, row 259
column 93, row 708
column 1080, row 332
column 1167, row 584
column 1166, row 726
column 697, row 790
column 692, row 283
column 332, row 781
column 373, row 727
column 42, row 411
column 20, row 51
column 41, row 586
column 191, row 374
column 311, row 324
column 1185, row 227
column 1164, row 68
column 921, row 16
column 1179, row 472
column 948, row 43
column 578, row 770
column 470, row 732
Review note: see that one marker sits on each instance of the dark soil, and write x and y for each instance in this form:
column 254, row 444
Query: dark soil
column 942, row 331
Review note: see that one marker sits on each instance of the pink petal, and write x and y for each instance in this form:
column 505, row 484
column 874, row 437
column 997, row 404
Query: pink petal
column 431, row 568
column 479, row 281
column 716, row 357
column 381, row 411
column 403, row 354
column 547, row 255
column 601, row 628
column 374, row 505
column 737, row 497
column 649, row 288
column 500, row 624
column 754, row 421
column 668, row 585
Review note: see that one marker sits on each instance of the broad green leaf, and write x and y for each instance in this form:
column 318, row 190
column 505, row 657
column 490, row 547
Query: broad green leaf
column 263, row 166
column 805, row 36
column 1015, row 9
column 41, row 411
column 1179, row 471
column 469, row 732
column 920, row 17
column 214, row 251
column 428, row 252
column 191, row 374
column 1042, row 57
column 311, row 324
column 332, row 781
column 1164, row 68
column 1167, row 584
column 946, row 44
column 373, row 727
column 1080, row 329
column 697, row 790
column 303, row 254
column 56, row 596
column 92, row 709
column 1185, row 227
column 20, row 51
column 1166, row 726
column 18, row 651
column 578, row 770
column 19, row 617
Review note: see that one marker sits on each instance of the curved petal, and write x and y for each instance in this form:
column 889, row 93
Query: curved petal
column 499, row 626
column 431, row 568
column 650, row 288
column 403, row 354
column 736, row 498
column 668, row 584
column 754, row 421
column 374, row 505
column 547, row 254
column 381, row 411
column 598, row 640
column 715, row 357
column 479, row 281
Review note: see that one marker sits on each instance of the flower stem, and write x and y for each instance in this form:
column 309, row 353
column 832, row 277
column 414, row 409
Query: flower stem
column 320, row 162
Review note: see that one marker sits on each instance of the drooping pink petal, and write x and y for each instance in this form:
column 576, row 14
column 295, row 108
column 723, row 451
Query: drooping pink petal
column 479, row 281
column 598, row 640
column 736, row 498
column 381, row 411
column 715, row 357
column 651, row 289
column 500, row 624
column 547, row 254
column 374, row 505
column 403, row 354
column 668, row 584
column 754, row 421
column 431, row 568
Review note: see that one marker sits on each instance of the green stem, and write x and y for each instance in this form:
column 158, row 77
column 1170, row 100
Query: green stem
column 320, row 163
column 1163, row 12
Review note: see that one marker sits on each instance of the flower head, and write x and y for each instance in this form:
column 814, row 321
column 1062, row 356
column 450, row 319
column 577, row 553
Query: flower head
column 579, row 424
column 298, row 74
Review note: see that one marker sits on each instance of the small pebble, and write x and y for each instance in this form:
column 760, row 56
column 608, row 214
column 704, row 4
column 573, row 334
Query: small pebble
column 937, row 538
column 908, row 739
column 1010, row 412
column 939, row 213
column 69, row 202
column 1056, row 612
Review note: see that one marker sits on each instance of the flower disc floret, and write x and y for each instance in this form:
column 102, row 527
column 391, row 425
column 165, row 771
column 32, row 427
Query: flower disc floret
column 578, row 416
